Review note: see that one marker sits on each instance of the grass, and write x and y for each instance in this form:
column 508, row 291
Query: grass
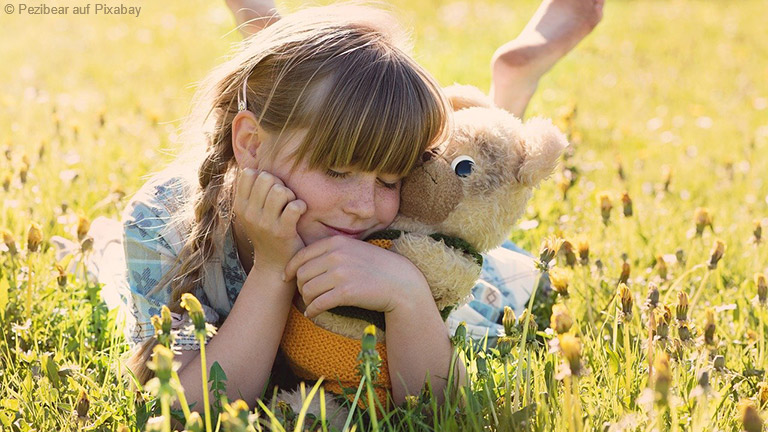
column 662, row 92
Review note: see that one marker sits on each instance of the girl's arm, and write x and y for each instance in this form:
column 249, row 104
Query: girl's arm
column 341, row 271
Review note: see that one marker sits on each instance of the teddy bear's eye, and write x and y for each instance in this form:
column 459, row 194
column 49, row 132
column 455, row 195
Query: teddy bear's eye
column 463, row 166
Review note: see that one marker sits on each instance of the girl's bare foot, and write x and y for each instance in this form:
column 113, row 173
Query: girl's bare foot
column 555, row 28
column 253, row 15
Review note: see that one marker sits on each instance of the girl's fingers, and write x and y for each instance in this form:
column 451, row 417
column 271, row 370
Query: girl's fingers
column 316, row 287
column 306, row 254
column 325, row 301
column 277, row 198
column 309, row 271
column 260, row 190
column 244, row 183
column 292, row 213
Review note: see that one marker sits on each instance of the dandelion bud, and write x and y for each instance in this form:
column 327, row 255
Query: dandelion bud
column 570, row 255
column 750, row 416
column 34, row 237
column 460, row 335
column 23, row 171
column 570, row 346
column 195, row 422
column 718, row 362
column 504, row 345
column 762, row 288
column 561, row 320
column 7, row 182
column 508, row 320
column 683, row 331
column 549, row 248
column 61, row 278
column 661, row 266
column 680, row 256
column 626, row 203
column 667, row 176
column 411, row 402
column 559, row 279
column 583, row 248
column 751, row 336
column 86, row 245
column 532, row 326
column 762, row 394
column 662, row 325
column 625, row 270
column 662, row 378
column 195, row 310
column 9, row 241
column 82, row 405
column 236, row 418
column 681, row 311
column 83, row 225
column 709, row 326
column 369, row 338
column 564, row 184
column 605, row 206
column 625, row 296
column 162, row 363
column 653, row 296
column 757, row 232
column 703, row 219
column 703, row 380
column 718, row 250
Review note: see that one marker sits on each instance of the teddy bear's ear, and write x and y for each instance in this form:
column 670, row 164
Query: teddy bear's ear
column 543, row 144
column 466, row 96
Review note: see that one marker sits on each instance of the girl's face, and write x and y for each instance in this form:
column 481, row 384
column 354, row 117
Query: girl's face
column 340, row 201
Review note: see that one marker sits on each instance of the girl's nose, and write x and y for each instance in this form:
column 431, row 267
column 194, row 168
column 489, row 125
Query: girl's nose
column 361, row 200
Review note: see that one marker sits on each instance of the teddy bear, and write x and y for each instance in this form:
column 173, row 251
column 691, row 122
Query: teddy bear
column 462, row 199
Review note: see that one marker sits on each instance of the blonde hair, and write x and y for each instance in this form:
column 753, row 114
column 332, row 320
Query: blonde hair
column 338, row 72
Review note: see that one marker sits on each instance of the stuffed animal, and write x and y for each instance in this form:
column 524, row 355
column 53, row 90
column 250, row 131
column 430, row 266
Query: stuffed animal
column 461, row 200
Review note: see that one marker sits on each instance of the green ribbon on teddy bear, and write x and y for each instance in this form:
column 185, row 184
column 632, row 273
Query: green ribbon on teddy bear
column 377, row 318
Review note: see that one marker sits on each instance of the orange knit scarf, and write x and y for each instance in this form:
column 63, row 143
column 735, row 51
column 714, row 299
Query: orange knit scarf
column 313, row 352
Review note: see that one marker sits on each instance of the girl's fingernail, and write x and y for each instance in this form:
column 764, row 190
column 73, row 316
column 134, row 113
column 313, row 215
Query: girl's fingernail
column 249, row 171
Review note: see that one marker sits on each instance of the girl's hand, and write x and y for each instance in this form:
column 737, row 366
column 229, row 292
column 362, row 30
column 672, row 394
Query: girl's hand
column 341, row 271
column 268, row 212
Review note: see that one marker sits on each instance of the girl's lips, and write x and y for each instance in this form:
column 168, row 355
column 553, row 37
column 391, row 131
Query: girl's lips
column 345, row 232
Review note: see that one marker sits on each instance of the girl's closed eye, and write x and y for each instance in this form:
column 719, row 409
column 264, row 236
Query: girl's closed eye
column 337, row 174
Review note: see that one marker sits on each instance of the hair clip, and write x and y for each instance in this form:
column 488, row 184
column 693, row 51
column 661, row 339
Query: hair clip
column 242, row 103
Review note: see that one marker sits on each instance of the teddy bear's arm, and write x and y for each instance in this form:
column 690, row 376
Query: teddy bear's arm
column 450, row 273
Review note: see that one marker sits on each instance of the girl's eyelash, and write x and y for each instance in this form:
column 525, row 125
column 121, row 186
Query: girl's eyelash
column 336, row 174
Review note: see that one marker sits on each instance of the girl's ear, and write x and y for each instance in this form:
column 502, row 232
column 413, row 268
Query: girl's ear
column 247, row 136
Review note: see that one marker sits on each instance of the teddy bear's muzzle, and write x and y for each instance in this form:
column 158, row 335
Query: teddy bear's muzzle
column 431, row 192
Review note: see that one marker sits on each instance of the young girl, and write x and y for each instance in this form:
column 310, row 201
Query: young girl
column 298, row 145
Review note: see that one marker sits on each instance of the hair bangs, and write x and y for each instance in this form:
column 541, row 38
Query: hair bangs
column 379, row 115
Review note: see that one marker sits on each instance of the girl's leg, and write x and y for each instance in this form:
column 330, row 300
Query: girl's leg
column 555, row 28
column 252, row 16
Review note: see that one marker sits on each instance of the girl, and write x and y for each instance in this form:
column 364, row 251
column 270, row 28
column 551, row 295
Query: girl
column 301, row 141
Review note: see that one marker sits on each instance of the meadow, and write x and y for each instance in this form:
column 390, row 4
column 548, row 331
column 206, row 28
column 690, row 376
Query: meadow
column 662, row 199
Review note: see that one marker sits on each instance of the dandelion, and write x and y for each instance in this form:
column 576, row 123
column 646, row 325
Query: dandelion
column 162, row 325
column 196, row 314
column 195, row 310
column 82, row 405
column 7, row 182
column 559, row 279
column 718, row 362
column 235, row 416
column 509, row 320
column 583, row 248
column 680, row 256
column 662, row 325
column 163, row 365
column 626, row 203
column 9, row 241
column 564, row 184
column 653, row 296
column 762, row 393
column 681, row 310
column 716, row 254
column 625, row 296
column 683, row 331
column 570, row 347
column 23, row 172
column 61, row 278
column 532, row 326
column 561, row 320
column 195, row 422
column 549, row 248
column 83, row 225
column 570, row 255
column 34, row 237
column 762, row 288
column 757, row 231
column 605, row 206
column 661, row 267
column 504, row 345
column 703, row 219
column 750, row 417
column 709, row 326
column 86, row 245
column 625, row 271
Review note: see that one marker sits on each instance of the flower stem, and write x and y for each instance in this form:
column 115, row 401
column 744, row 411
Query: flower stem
column 369, row 392
column 166, row 410
column 182, row 397
column 627, row 361
column 699, row 290
column 206, row 404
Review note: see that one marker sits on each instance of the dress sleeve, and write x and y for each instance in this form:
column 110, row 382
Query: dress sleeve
column 151, row 244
